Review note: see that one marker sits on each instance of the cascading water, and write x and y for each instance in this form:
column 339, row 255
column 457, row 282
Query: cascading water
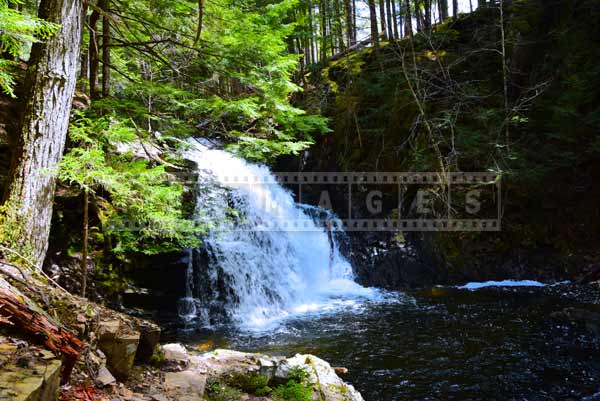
column 258, row 273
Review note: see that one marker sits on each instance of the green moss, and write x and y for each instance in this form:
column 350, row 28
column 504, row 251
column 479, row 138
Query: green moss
column 217, row 391
column 158, row 357
column 253, row 383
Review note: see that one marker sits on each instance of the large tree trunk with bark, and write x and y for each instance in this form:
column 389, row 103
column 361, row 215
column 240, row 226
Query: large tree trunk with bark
column 51, row 80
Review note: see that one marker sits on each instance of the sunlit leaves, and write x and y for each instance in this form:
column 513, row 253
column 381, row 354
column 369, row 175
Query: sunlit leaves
column 131, row 191
column 17, row 30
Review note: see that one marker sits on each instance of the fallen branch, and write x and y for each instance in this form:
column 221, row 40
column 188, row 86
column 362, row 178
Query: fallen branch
column 40, row 329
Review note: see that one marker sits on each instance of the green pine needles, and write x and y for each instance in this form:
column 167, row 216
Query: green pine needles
column 18, row 30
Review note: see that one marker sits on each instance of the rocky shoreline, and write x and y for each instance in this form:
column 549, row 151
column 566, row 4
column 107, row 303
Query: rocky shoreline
column 121, row 359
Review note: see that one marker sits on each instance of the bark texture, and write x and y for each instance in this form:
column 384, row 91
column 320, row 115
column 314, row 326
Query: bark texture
column 14, row 312
column 51, row 80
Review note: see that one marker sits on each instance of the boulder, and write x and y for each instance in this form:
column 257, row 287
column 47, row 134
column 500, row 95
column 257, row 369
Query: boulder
column 149, row 337
column 118, row 346
column 175, row 354
column 187, row 385
column 328, row 386
column 36, row 380
column 223, row 364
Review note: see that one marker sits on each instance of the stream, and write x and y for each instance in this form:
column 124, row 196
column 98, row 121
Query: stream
column 443, row 343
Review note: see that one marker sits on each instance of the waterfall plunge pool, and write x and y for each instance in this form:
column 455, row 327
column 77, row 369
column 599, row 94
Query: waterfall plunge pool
column 496, row 343
column 282, row 292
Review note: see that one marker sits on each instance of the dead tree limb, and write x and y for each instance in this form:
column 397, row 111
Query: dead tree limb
column 40, row 329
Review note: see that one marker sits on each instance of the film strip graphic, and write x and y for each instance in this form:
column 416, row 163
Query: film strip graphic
column 470, row 201
column 332, row 178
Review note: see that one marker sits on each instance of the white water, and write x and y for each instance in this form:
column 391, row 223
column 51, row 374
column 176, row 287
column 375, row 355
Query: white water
column 270, row 275
column 503, row 283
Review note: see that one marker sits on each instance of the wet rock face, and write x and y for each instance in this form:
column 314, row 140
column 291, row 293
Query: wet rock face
column 160, row 281
column 222, row 365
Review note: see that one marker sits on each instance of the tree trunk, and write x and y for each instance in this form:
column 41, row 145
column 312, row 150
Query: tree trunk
column 349, row 23
column 354, row 34
column 330, row 31
column 388, row 7
column 339, row 25
column 408, row 31
column 427, row 6
column 313, row 56
column 443, row 9
column 418, row 16
column 200, row 21
column 323, row 29
column 93, row 55
column 373, row 17
column 395, row 20
column 382, row 16
column 105, row 50
column 51, row 79
column 454, row 9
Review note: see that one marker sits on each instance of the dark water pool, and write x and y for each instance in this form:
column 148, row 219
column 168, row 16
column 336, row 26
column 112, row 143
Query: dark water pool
column 448, row 344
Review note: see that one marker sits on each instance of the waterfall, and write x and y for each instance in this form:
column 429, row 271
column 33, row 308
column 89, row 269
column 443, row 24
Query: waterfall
column 255, row 275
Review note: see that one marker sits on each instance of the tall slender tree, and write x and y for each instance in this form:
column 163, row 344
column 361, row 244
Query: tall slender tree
column 382, row 16
column 323, row 12
column 395, row 19
column 350, row 31
column 106, row 39
column 51, row 80
column 312, row 50
column 408, row 31
column 390, row 30
column 373, row 23
column 427, row 9
column 443, row 4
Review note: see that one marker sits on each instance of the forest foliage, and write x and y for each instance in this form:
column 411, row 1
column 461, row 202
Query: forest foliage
column 408, row 84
